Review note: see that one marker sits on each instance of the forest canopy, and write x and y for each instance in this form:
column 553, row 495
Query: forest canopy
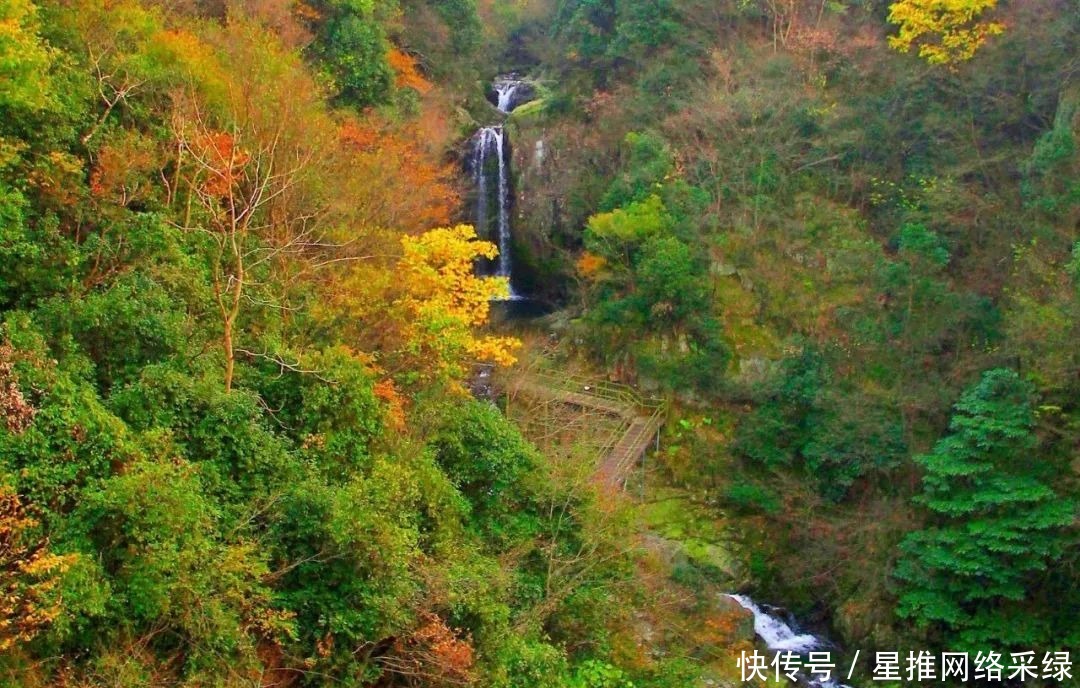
column 831, row 248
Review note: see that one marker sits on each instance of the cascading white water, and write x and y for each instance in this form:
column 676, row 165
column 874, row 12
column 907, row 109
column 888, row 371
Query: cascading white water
column 776, row 634
column 504, row 210
column 779, row 636
column 505, row 92
column 507, row 89
column 481, row 149
column 492, row 141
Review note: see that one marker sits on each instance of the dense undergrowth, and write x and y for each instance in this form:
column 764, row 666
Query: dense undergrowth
column 235, row 449
column 853, row 255
column 237, row 313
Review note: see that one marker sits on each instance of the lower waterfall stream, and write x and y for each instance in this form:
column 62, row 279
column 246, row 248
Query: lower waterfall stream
column 779, row 636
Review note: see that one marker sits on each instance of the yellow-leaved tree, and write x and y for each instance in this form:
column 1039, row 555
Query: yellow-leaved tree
column 946, row 31
column 29, row 575
column 444, row 303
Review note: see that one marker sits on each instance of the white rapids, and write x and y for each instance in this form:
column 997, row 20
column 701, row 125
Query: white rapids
column 779, row 636
column 506, row 88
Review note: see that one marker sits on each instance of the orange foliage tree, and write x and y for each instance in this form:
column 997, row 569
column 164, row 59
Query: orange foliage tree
column 395, row 181
column 432, row 655
column 406, row 74
column 258, row 166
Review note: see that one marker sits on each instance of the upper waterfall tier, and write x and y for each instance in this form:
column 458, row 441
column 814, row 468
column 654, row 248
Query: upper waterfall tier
column 511, row 91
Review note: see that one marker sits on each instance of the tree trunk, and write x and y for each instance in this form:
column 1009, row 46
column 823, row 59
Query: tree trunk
column 230, row 356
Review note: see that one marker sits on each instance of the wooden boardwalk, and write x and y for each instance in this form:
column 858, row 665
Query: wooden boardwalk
column 642, row 418
column 616, row 465
column 582, row 399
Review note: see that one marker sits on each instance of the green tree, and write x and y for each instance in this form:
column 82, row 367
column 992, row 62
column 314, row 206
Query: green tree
column 462, row 21
column 1052, row 173
column 671, row 280
column 649, row 162
column 586, row 27
column 995, row 523
column 352, row 47
column 491, row 465
column 609, row 234
column 24, row 58
column 809, row 416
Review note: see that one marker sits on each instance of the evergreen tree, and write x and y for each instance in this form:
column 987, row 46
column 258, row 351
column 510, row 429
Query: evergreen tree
column 996, row 523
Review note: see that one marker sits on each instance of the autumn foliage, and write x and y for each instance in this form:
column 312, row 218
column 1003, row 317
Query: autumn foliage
column 233, row 351
column 947, row 32
column 28, row 575
column 393, row 162
column 590, row 264
column 16, row 413
column 444, row 301
column 407, row 75
column 224, row 161
column 432, row 655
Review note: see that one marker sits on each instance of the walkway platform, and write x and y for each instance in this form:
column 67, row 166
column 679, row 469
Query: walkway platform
column 643, row 418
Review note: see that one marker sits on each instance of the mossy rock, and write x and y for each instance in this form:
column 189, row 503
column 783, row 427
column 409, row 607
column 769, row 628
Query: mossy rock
column 741, row 619
column 528, row 111
column 699, row 534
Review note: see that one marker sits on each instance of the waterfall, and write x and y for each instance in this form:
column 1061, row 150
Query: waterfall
column 509, row 92
column 482, row 148
column 491, row 143
column 504, row 210
column 505, row 91
column 490, row 162
column 776, row 634
column 779, row 636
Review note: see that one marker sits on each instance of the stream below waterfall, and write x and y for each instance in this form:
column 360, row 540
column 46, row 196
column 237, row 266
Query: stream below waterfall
column 780, row 633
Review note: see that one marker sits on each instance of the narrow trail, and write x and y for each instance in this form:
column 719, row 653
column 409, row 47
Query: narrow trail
column 643, row 418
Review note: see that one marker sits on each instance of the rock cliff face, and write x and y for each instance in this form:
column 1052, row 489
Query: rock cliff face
column 546, row 217
column 537, row 212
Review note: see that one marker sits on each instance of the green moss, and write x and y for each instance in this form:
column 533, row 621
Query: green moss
column 529, row 111
column 701, row 537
